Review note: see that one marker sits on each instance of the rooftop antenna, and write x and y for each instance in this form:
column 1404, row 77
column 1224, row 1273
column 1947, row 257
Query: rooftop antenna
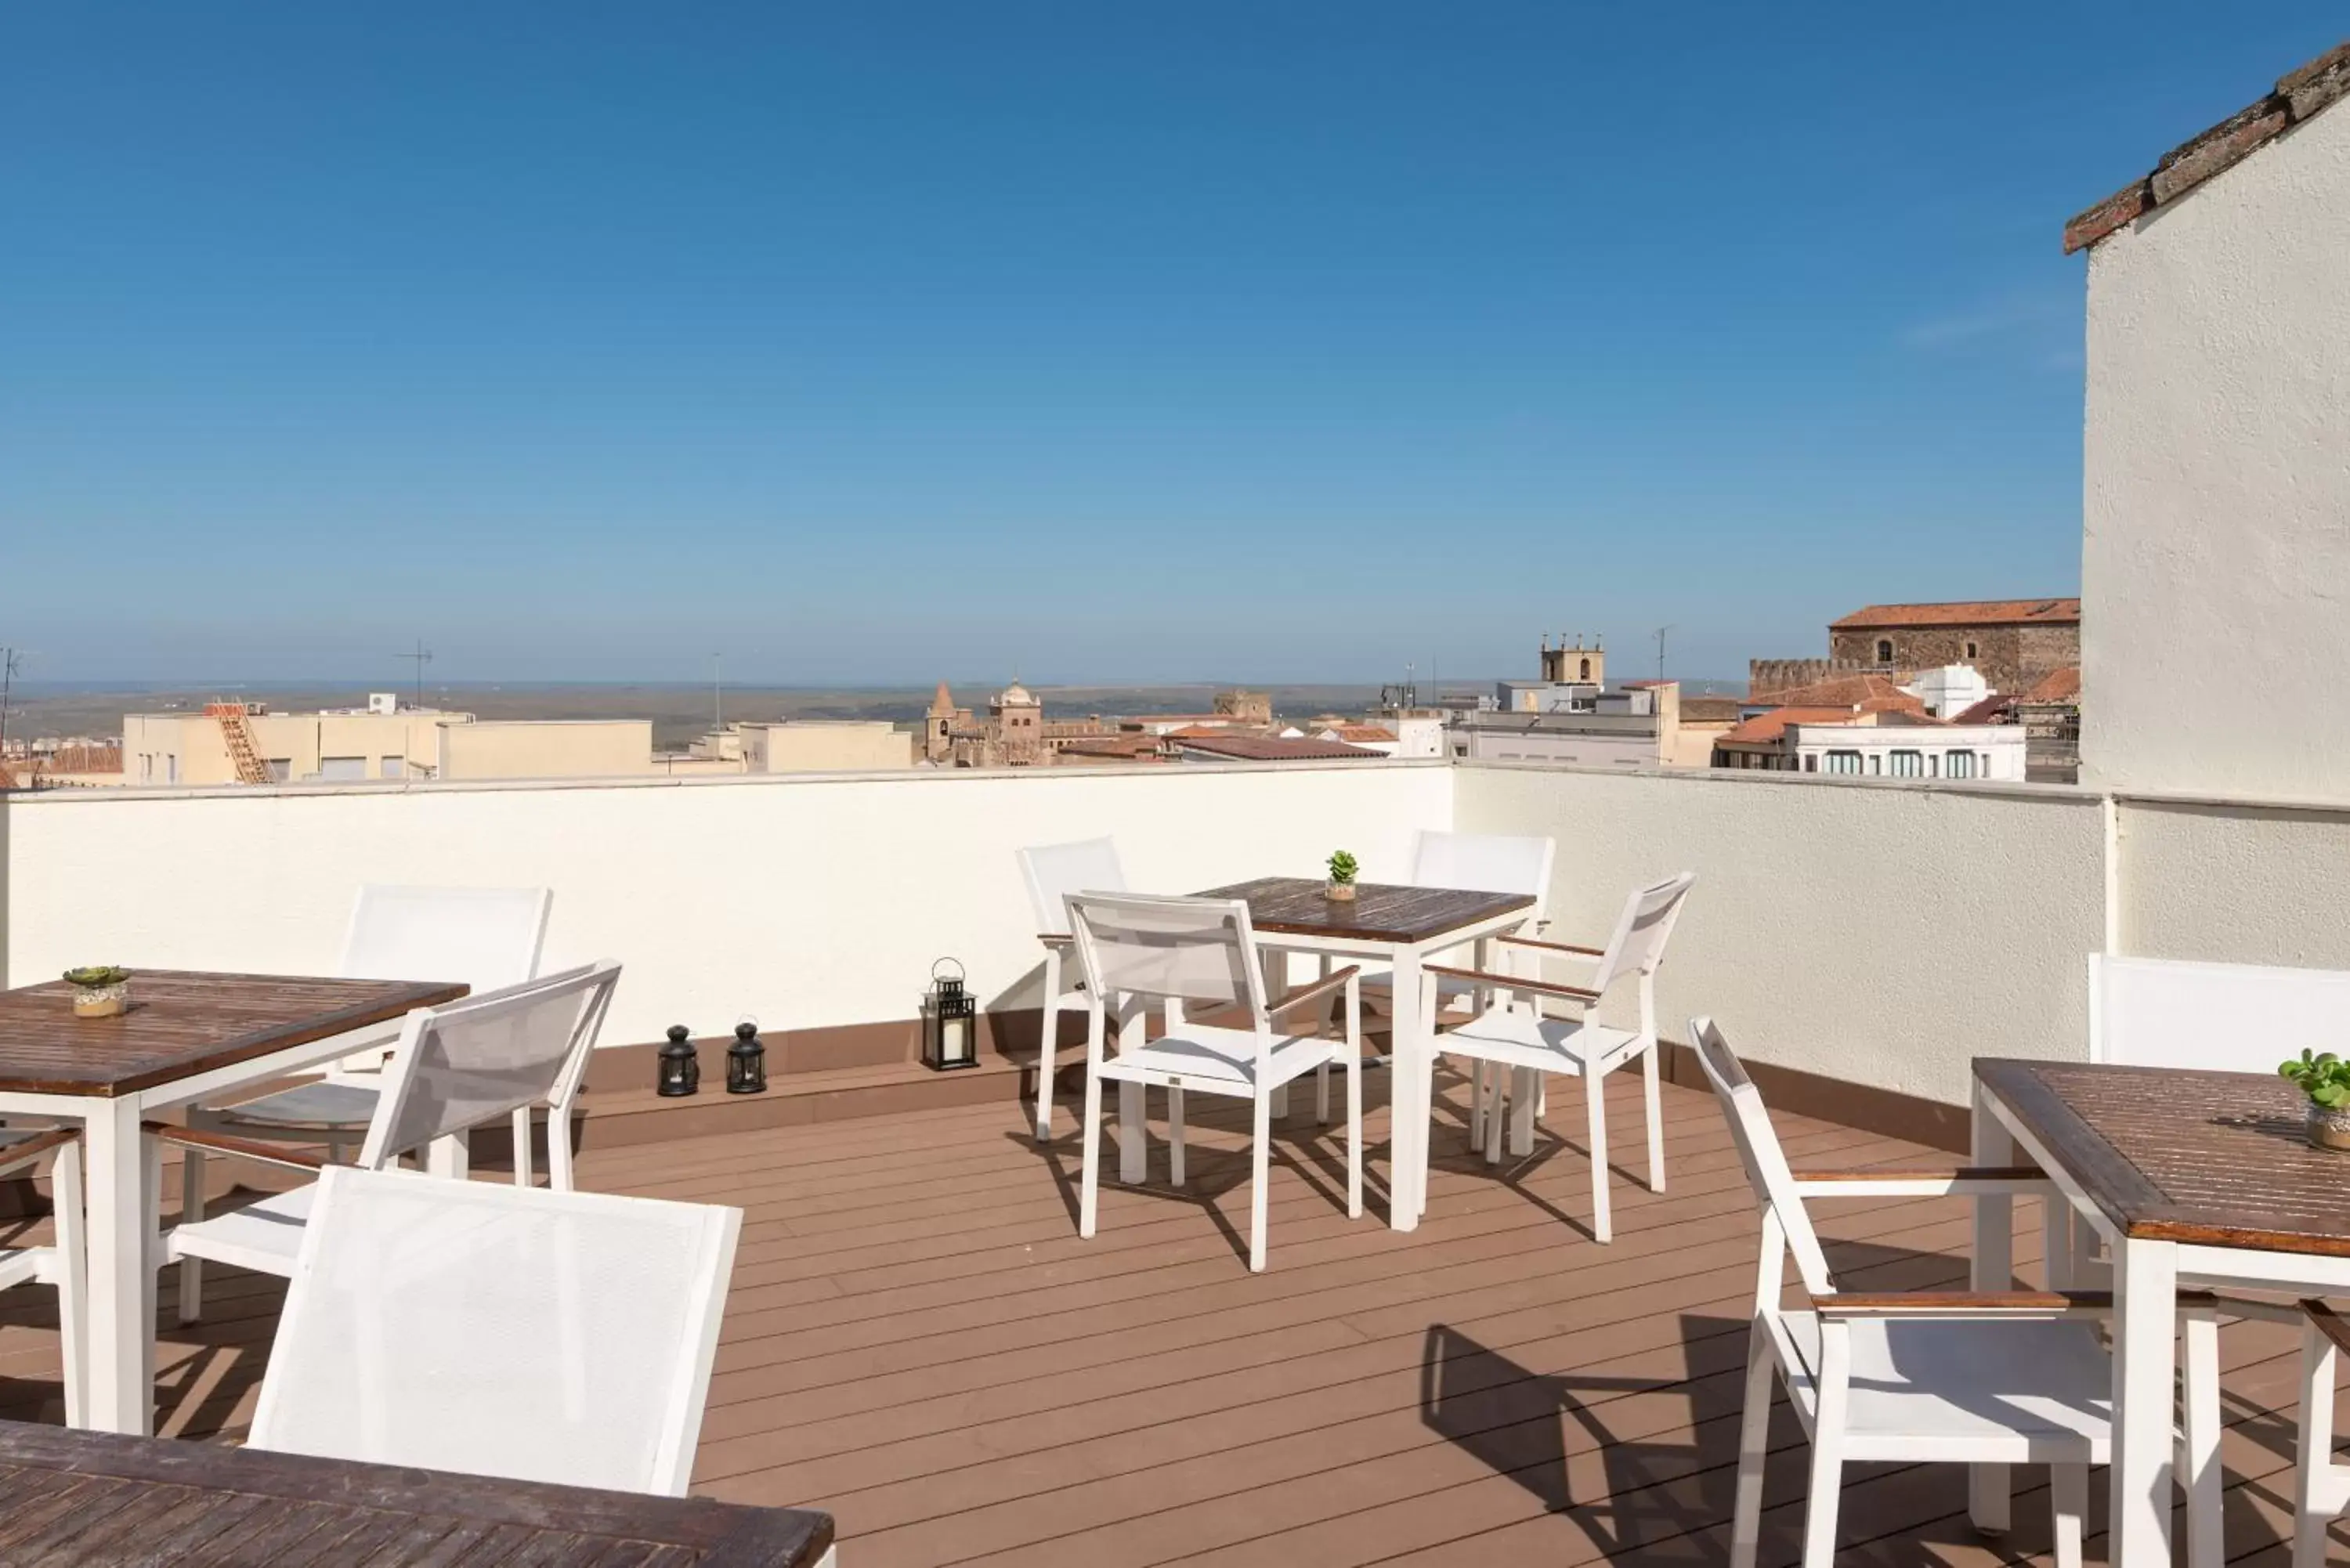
column 422, row 657
column 1660, row 653
column 9, row 658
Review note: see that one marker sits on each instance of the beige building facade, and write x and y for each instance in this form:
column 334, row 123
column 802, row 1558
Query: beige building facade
column 826, row 746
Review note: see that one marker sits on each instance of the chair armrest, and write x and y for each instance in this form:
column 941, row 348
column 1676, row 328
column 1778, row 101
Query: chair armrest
column 1567, row 948
column 2329, row 1323
column 1958, row 1181
column 1985, row 1304
column 1334, row 981
column 14, row 1155
column 244, row 1149
column 1514, row 982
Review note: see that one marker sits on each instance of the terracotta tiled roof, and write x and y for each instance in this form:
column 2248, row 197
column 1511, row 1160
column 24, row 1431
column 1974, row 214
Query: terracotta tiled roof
column 1966, row 612
column 1765, row 728
column 1363, row 734
column 1266, row 749
column 1995, row 709
column 1113, row 748
column 1867, row 692
column 2298, row 95
column 2060, row 686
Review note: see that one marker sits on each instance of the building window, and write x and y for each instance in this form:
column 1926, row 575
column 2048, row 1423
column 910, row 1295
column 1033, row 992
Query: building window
column 146, row 767
column 172, row 768
column 342, row 768
column 1843, row 762
column 1586, row 669
column 280, row 769
column 1884, row 650
column 1811, row 764
column 392, row 767
column 1876, row 763
column 1908, row 765
column 1971, row 650
column 1961, row 764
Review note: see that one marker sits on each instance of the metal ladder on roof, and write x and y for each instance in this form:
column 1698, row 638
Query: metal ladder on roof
column 243, row 750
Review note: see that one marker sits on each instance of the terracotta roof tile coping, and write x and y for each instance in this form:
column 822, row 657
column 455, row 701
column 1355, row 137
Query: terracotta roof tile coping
column 2299, row 94
column 1963, row 612
column 1268, row 749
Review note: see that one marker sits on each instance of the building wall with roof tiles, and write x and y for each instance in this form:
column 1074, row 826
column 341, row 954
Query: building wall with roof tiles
column 2010, row 657
column 2216, row 527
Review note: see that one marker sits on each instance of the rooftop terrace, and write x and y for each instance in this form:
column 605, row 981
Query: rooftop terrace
column 918, row 1342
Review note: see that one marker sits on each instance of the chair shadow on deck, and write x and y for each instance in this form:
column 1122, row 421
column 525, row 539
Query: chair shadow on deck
column 1317, row 1153
column 1645, row 1466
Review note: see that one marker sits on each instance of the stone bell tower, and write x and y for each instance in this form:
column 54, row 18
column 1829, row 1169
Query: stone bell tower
column 1578, row 663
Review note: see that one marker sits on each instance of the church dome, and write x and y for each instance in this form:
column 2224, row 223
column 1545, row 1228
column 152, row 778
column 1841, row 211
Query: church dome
column 1014, row 696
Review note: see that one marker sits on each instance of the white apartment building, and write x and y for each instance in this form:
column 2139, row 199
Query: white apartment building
column 1889, row 749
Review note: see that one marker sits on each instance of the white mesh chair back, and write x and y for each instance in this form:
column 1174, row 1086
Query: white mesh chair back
column 2222, row 1017
column 1484, row 863
column 1758, row 1152
column 499, row 1331
column 475, row 1061
column 1053, row 871
column 1192, row 949
column 486, row 937
column 1638, row 946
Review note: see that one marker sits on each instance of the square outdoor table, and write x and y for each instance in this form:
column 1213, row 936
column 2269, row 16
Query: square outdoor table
column 95, row 1498
column 1405, row 927
column 2205, row 1175
column 186, row 1038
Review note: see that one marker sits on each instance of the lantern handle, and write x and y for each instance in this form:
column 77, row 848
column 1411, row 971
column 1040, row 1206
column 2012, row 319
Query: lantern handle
column 958, row 973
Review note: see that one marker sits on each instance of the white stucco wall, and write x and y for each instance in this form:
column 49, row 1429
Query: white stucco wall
column 808, row 901
column 2235, row 883
column 1881, row 932
column 2216, row 554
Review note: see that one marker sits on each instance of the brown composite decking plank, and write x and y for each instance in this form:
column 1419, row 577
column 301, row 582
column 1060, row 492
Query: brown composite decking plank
column 179, row 1537
column 1635, row 1344
column 1371, row 1457
column 1008, row 1427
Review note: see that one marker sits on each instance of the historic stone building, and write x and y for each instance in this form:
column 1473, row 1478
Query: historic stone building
column 1012, row 732
column 2016, row 643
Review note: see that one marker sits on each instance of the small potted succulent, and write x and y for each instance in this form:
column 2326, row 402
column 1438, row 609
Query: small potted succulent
column 1343, row 871
column 2326, row 1079
column 99, row 991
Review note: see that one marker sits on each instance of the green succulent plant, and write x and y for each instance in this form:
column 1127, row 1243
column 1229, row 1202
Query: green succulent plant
column 2323, row 1077
column 1343, row 869
column 98, row 975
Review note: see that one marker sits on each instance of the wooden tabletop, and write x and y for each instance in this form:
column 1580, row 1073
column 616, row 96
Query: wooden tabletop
column 94, row 1498
column 2215, row 1158
column 1298, row 906
column 181, row 1025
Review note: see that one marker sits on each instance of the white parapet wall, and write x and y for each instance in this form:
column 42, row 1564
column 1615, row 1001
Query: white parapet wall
column 803, row 901
column 1882, row 933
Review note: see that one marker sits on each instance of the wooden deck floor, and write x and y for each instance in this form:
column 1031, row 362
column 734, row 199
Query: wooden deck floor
column 918, row 1342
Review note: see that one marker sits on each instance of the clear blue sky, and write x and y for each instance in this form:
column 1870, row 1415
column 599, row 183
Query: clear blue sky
column 1133, row 340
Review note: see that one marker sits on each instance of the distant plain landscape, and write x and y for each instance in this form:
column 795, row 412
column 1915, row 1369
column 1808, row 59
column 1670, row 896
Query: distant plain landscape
column 679, row 712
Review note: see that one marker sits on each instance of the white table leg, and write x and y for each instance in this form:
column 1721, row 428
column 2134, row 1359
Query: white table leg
column 2146, row 1367
column 1988, row 1493
column 1410, row 1090
column 122, row 1390
column 1133, row 1128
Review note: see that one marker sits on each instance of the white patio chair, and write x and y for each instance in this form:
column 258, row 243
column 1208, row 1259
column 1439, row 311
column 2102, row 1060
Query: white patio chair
column 1998, row 1377
column 1519, row 1034
column 456, row 1067
column 2321, row 1492
column 499, row 1331
column 1182, row 952
column 485, row 937
column 64, row 1262
column 1053, row 872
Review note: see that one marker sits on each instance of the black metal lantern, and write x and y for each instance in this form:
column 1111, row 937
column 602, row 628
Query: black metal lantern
column 746, row 1061
column 681, row 1069
column 950, row 1021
